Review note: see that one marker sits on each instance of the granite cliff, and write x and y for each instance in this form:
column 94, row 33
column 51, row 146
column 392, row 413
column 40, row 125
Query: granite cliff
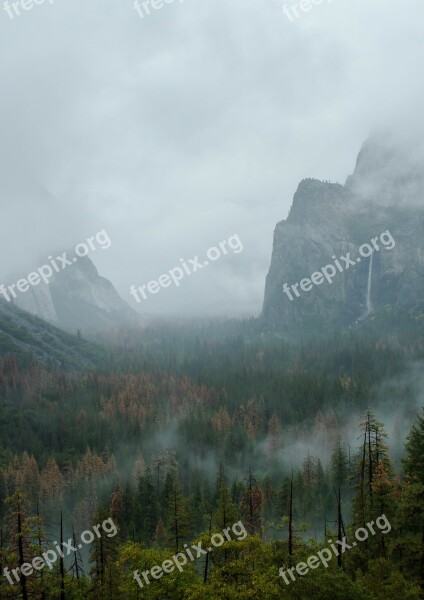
column 329, row 220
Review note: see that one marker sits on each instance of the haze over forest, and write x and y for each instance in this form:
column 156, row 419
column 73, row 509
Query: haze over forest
column 211, row 300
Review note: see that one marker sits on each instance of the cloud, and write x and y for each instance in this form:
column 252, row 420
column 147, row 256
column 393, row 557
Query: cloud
column 177, row 130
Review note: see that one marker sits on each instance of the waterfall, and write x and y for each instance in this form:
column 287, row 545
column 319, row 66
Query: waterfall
column 369, row 305
column 369, row 286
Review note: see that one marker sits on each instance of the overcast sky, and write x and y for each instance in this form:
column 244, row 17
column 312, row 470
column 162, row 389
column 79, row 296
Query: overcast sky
column 196, row 122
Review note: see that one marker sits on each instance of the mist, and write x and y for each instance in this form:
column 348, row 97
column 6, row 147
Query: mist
column 197, row 122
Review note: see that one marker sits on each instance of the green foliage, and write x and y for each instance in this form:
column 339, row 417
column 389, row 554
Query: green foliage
column 214, row 417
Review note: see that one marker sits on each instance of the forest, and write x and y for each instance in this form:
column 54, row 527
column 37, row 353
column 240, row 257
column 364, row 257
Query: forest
column 184, row 432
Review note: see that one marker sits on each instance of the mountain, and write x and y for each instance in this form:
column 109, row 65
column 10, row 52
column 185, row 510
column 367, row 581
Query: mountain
column 78, row 298
column 40, row 225
column 381, row 201
column 28, row 336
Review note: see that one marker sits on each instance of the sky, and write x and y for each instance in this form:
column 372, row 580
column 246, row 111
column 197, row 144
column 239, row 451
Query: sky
column 178, row 129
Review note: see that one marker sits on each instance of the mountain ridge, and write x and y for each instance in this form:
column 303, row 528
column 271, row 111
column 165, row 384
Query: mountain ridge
column 27, row 336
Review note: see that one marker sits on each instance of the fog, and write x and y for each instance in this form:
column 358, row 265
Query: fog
column 177, row 130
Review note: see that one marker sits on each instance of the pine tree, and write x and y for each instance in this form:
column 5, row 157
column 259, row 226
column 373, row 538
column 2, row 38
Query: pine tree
column 176, row 517
column 226, row 512
column 20, row 539
column 374, row 476
column 407, row 545
column 103, row 554
column 252, row 506
column 339, row 468
column 414, row 460
column 148, row 509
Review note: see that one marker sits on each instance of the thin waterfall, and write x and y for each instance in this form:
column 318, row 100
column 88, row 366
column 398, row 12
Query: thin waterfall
column 369, row 288
column 369, row 305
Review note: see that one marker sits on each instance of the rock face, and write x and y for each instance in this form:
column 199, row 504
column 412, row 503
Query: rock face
column 78, row 298
column 327, row 221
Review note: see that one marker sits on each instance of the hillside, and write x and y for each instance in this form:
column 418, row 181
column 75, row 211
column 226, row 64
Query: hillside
column 28, row 336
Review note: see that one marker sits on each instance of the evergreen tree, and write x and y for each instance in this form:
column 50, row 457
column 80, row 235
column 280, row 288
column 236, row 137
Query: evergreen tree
column 408, row 540
column 148, row 509
column 103, row 554
column 252, row 506
column 176, row 516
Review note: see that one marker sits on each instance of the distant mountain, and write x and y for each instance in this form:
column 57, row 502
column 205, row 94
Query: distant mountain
column 37, row 225
column 329, row 220
column 29, row 336
column 78, row 298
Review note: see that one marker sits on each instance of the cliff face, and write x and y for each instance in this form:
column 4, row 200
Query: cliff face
column 327, row 221
column 78, row 298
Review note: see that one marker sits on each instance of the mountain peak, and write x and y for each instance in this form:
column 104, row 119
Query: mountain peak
column 313, row 197
column 329, row 221
column 78, row 298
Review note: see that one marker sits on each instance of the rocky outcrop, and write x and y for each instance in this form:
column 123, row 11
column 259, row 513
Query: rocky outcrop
column 327, row 221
